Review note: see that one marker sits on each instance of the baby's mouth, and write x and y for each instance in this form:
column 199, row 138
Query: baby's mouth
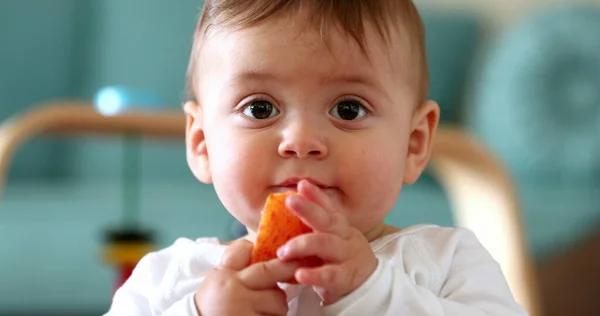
column 292, row 183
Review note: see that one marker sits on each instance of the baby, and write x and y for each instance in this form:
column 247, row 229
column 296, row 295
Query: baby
column 326, row 98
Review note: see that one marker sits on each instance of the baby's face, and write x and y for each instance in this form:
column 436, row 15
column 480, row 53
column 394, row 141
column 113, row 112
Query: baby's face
column 277, row 105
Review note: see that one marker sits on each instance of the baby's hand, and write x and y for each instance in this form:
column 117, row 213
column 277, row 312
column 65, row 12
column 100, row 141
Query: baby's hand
column 346, row 254
column 235, row 288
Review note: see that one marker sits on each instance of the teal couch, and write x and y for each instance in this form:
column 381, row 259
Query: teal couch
column 63, row 194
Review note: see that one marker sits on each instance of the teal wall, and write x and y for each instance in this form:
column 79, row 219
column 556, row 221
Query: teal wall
column 39, row 55
column 143, row 45
column 140, row 43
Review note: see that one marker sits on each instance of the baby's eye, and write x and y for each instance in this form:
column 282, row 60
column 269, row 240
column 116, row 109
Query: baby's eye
column 348, row 110
column 260, row 110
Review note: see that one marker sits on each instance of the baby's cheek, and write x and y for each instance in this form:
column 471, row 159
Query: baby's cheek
column 238, row 183
column 378, row 165
column 375, row 182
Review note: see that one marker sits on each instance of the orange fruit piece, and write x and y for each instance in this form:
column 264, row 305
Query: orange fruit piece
column 277, row 226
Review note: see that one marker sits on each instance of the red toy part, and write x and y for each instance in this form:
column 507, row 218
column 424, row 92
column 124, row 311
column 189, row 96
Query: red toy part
column 124, row 272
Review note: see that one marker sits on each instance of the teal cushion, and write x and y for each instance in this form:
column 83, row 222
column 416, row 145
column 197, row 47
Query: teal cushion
column 536, row 100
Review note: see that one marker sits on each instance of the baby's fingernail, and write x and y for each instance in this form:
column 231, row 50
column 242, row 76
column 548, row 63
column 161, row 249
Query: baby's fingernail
column 295, row 199
column 281, row 252
column 304, row 184
column 312, row 185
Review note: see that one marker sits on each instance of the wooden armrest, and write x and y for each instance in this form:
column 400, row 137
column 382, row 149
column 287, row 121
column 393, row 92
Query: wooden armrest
column 484, row 200
column 81, row 118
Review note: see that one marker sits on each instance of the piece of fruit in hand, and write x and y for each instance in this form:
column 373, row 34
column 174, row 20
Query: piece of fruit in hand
column 277, row 226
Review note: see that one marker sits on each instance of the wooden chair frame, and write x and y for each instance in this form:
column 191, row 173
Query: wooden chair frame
column 481, row 193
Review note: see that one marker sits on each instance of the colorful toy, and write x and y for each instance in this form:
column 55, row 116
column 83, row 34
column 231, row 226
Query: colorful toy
column 124, row 247
column 128, row 242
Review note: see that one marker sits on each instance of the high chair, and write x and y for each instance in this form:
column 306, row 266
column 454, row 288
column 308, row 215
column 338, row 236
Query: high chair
column 480, row 191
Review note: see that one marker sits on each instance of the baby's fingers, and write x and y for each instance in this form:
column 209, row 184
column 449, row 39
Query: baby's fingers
column 271, row 302
column 328, row 247
column 265, row 275
column 318, row 218
column 237, row 255
column 332, row 281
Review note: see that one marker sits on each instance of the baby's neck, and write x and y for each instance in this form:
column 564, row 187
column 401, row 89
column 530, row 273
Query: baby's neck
column 380, row 232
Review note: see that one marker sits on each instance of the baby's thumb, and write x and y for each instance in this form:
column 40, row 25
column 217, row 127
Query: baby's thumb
column 237, row 255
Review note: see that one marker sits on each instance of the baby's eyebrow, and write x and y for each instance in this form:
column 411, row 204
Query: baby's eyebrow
column 252, row 77
column 341, row 78
column 351, row 79
column 255, row 76
column 372, row 82
column 354, row 78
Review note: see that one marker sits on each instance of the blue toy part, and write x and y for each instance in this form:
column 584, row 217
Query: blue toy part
column 118, row 99
column 536, row 100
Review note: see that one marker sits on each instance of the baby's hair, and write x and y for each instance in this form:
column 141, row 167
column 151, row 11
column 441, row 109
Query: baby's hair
column 386, row 16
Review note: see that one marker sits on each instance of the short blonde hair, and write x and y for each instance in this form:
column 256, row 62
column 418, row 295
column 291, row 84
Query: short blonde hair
column 350, row 15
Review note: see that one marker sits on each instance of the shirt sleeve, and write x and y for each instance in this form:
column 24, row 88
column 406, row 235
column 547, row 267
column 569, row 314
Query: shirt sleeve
column 474, row 286
column 142, row 294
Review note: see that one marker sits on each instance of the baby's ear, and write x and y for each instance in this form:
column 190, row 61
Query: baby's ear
column 420, row 142
column 196, row 151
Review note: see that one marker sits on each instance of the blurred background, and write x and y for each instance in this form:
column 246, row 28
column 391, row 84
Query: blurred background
column 522, row 75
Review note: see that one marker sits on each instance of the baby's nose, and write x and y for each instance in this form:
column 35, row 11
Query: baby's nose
column 303, row 143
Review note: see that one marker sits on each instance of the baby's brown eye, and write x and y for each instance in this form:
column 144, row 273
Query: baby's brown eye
column 348, row 110
column 260, row 110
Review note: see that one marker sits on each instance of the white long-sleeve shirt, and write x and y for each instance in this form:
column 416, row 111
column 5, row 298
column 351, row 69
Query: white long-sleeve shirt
column 422, row 270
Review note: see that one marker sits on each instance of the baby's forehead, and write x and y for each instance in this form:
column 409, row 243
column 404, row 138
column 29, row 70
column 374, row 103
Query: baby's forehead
column 393, row 46
column 284, row 51
column 297, row 28
column 274, row 37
